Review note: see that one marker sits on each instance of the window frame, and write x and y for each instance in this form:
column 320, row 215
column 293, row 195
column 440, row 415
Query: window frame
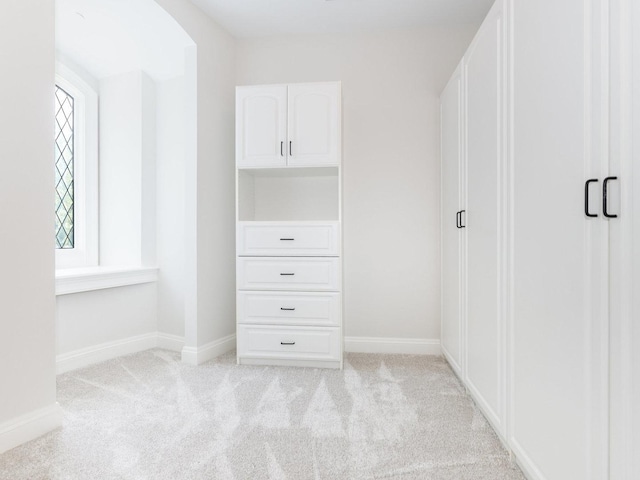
column 85, row 172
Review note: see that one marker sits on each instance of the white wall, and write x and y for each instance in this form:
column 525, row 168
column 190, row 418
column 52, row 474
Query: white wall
column 27, row 349
column 91, row 318
column 210, row 184
column 171, row 157
column 391, row 84
column 127, row 170
column 166, row 199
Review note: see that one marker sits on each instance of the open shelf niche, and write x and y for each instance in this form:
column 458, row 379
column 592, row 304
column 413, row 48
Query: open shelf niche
column 289, row 194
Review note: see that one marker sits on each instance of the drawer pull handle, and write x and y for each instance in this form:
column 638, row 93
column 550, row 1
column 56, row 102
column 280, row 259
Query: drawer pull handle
column 287, row 274
column 287, row 309
column 287, row 343
column 287, row 239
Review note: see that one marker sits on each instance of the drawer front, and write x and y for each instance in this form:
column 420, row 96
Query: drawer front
column 301, row 343
column 308, row 274
column 269, row 308
column 288, row 239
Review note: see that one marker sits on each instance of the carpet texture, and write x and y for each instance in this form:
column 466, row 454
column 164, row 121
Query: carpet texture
column 148, row 416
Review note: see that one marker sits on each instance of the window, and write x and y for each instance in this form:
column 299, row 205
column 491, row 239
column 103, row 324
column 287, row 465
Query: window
column 76, row 186
column 64, row 146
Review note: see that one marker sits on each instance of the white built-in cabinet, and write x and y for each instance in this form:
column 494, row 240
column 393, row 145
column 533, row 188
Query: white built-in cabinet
column 288, row 235
column 288, row 125
column 537, row 214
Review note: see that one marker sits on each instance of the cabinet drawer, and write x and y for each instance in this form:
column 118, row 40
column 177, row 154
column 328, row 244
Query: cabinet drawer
column 272, row 308
column 319, row 274
column 288, row 239
column 301, row 343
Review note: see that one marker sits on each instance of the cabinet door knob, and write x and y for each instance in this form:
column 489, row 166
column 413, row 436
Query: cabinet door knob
column 287, row 343
column 287, row 309
column 461, row 225
column 282, row 149
column 287, row 274
column 287, row 239
column 290, row 149
column 605, row 199
column 586, row 197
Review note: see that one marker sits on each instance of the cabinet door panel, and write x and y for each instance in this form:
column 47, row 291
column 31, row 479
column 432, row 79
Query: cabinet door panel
column 261, row 126
column 558, row 347
column 314, row 124
column 451, row 122
column 484, row 364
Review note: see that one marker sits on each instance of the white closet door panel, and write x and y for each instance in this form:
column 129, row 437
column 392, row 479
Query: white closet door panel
column 314, row 124
column 559, row 386
column 261, row 123
column 625, row 240
column 483, row 106
column 451, row 124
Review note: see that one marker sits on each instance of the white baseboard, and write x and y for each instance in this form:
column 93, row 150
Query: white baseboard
column 197, row 355
column 415, row 346
column 209, row 351
column 109, row 350
column 105, row 351
column 27, row 427
column 525, row 463
column 170, row 342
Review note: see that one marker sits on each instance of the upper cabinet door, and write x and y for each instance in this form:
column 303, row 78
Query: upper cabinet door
column 261, row 126
column 314, row 124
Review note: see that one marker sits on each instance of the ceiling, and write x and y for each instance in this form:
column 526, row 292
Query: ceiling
column 259, row 18
column 117, row 36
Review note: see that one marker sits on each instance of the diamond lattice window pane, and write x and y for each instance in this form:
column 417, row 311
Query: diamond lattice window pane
column 64, row 154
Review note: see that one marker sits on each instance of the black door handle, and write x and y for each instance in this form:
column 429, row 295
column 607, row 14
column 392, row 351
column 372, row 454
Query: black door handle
column 287, row 343
column 287, row 239
column 604, row 197
column 287, row 274
column 290, row 152
column 457, row 219
column 586, row 197
column 461, row 225
column 288, row 309
column 282, row 149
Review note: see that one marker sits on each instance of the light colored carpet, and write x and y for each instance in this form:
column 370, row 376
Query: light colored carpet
column 147, row 416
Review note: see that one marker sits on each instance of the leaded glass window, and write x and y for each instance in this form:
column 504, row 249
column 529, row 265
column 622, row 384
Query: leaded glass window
column 64, row 156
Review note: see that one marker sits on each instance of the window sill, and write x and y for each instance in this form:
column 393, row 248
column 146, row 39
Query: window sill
column 75, row 280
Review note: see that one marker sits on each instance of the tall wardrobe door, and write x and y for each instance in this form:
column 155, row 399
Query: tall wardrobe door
column 624, row 268
column 558, row 334
column 485, row 347
column 451, row 127
column 261, row 126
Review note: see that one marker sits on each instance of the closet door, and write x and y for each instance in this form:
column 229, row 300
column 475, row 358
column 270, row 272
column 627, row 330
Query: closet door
column 485, row 350
column 451, row 148
column 261, row 126
column 624, row 268
column 559, row 329
column 314, row 124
